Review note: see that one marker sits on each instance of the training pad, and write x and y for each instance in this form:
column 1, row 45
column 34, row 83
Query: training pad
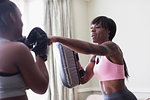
column 66, row 60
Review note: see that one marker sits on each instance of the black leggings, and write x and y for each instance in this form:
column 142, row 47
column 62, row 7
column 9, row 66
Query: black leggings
column 124, row 94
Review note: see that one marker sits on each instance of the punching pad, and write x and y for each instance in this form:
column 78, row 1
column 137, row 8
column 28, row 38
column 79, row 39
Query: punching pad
column 66, row 60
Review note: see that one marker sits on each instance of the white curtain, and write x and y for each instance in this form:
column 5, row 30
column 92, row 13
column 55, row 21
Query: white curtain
column 58, row 22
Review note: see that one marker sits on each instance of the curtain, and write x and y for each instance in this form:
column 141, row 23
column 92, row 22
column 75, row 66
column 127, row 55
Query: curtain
column 58, row 22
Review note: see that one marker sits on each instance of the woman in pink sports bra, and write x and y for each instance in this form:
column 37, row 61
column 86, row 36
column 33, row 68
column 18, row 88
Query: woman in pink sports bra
column 107, row 62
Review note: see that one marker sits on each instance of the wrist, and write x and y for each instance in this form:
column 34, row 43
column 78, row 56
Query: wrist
column 38, row 58
column 55, row 39
column 43, row 57
column 81, row 72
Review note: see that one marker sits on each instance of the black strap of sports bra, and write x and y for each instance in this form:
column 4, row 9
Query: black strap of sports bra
column 8, row 74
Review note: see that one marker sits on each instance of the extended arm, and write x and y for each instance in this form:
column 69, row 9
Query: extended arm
column 84, row 47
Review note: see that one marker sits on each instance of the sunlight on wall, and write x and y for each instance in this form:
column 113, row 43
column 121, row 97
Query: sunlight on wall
column 32, row 16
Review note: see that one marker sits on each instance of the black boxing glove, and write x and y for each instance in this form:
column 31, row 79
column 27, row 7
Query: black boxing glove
column 37, row 42
column 39, row 39
column 26, row 42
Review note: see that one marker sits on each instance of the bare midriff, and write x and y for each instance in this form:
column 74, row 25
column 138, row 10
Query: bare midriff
column 112, row 86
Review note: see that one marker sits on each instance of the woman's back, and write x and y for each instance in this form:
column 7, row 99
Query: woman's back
column 12, row 85
column 7, row 57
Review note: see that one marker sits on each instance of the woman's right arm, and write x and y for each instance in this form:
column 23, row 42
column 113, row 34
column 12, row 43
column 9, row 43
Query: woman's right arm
column 34, row 74
column 105, row 49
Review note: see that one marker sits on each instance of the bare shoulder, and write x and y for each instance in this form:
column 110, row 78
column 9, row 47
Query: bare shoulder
column 17, row 50
column 13, row 48
column 17, row 47
column 111, row 45
column 116, row 55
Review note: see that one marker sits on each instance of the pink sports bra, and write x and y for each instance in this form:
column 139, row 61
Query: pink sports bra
column 106, row 70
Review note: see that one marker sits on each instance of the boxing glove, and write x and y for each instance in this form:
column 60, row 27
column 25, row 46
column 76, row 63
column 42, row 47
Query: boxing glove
column 40, row 41
column 37, row 42
column 27, row 43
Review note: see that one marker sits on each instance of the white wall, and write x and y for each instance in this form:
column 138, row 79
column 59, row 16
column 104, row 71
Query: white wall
column 133, row 31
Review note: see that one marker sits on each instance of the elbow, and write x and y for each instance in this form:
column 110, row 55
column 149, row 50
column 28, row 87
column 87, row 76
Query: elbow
column 44, row 88
column 83, row 81
column 86, row 78
column 41, row 88
column 42, row 91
